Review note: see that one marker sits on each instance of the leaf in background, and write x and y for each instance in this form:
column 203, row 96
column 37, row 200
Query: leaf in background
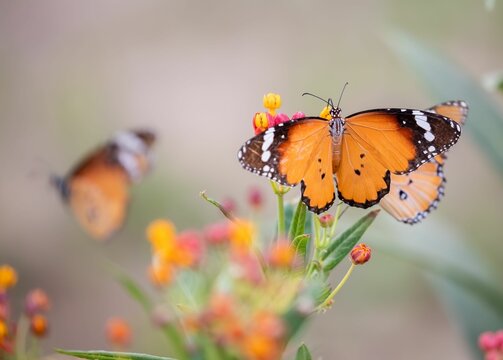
column 342, row 245
column 134, row 291
column 461, row 278
column 109, row 355
column 290, row 213
column 446, row 81
column 303, row 353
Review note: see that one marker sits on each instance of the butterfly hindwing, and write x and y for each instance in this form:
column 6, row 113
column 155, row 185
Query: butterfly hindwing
column 414, row 195
column 361, row 180
column 318, row 191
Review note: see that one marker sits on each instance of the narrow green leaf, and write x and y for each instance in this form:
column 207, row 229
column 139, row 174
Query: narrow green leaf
column 134, row 290
column 446, row 81
column 342, row 245
column 298, row 221
column 300, row 244
column 303, row 353
column 109, row 355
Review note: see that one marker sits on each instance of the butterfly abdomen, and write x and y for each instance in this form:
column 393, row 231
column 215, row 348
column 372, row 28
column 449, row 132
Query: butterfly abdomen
column 336, row 130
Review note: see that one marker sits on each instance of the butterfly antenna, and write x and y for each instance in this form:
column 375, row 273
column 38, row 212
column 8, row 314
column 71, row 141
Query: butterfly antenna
column 328, row 102
column 342, row 93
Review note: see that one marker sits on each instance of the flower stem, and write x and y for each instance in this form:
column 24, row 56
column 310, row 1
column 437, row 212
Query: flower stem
column 280, row 192
column 21, row 337
column 334, row 292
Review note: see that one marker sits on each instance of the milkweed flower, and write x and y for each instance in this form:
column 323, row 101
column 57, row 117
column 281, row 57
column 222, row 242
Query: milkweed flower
column 8, row 277
column 118, row 332
column 360, row 254
column 36, row 301
column 39, row 325
column 281, row 254
column 491, row 343
column 217, row 233
column 241, row 234
column 264, row 341
column 171, row 251
column 264, row 120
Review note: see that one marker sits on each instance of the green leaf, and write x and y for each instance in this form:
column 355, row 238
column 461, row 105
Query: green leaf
column 109, row 355
column 134, row 290
column 300, row 244
column 342, row 245
column 298, row 224
column 446, row 81
column 303, row 353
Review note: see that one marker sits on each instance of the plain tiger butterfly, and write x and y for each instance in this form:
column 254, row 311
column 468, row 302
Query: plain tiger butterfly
column 359, row 151
column 412, row 196
column 97, row 188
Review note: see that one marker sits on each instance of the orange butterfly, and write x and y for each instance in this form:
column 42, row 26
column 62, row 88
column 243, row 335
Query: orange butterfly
column 97, row 189
column 361, row 150
column 412, row 196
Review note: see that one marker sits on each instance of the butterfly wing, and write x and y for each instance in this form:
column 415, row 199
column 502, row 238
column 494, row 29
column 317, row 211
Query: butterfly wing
column 412, row 196
column 98, row 193
column 394, row 140
column 97, row 189
column 293, row 152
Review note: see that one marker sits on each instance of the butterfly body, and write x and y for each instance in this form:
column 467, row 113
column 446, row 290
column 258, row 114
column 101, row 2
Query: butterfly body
column 97, row 189
column 360, row 151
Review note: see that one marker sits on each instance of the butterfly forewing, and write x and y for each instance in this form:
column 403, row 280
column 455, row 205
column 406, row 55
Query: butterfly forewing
column 402, row 139
column 283, row 153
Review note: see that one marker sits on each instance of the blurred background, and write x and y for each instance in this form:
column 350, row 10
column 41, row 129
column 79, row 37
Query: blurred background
column 73, row 73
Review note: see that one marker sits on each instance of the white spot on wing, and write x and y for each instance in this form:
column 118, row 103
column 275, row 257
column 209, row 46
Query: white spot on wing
column 265, row 156
column 429, row 136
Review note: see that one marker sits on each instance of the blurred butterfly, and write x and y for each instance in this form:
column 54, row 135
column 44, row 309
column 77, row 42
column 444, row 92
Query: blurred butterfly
column 412, row 196
column 361, row 150
column 97, row 189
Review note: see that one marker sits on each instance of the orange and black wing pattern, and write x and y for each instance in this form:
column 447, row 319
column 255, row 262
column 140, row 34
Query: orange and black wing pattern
column 297, row 151
column 97, row 189
column 412, row 196
column 379, row 142
column 99, row 193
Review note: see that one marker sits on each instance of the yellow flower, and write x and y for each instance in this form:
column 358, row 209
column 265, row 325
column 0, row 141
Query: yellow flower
column 161, row 234
column 272, row 102
column 241, row 234
column 3, row 330
column 325, row 113
column 8, row 277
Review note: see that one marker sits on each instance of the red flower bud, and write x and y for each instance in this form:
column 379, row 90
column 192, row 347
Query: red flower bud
column 326, row 220
column 255, row 198
column 360, row 254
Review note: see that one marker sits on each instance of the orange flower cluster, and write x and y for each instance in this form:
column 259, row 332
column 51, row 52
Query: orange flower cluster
column 118, row 332
column 171, row 251
column 36, row 304
column 256, row 336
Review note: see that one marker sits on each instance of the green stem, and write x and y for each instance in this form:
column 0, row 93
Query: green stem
column 21, row 337
column 336, row 219
column 281, row 208
column 334, row 292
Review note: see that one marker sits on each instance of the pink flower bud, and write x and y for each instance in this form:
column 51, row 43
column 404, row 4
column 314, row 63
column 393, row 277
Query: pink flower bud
column 488, row 341
column 298, row 115
column 255, row 198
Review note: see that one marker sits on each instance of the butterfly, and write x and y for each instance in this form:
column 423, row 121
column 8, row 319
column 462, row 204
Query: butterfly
column 412, row 196
column 359, row 151
column 97, row 188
